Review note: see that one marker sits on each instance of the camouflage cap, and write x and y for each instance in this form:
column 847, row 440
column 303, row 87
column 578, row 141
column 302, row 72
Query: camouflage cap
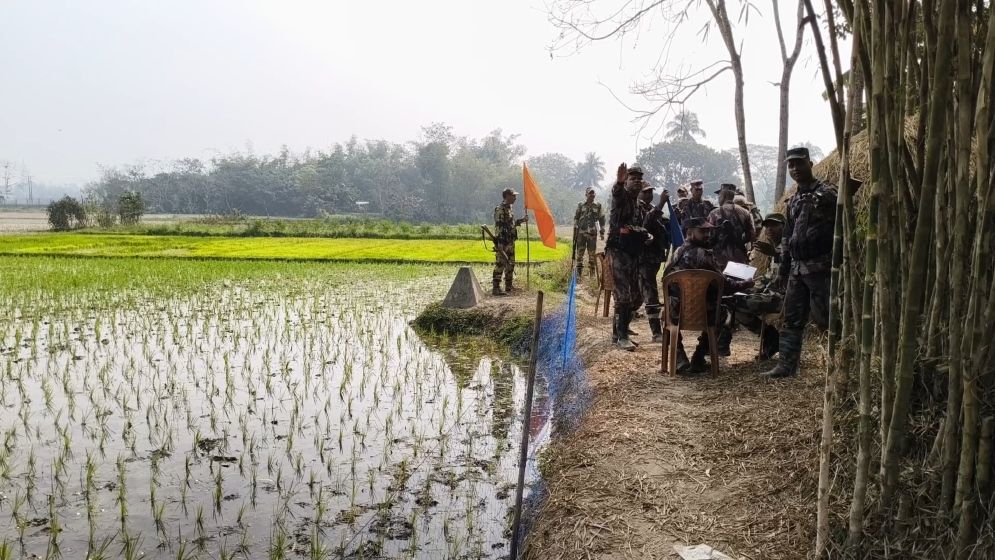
column 699, row 223
column 635, row 170
column 508, row 191
column 796, row 153
column 589, row 190
column 774, row 218
column 696, row 183
column 726, row 187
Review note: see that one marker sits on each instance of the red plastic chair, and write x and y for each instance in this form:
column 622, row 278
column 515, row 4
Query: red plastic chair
column 693, row 286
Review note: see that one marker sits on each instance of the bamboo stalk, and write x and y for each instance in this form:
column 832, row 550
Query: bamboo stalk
column 914, row 289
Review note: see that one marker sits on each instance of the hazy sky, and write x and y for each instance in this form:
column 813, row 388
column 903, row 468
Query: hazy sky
column 114, row 82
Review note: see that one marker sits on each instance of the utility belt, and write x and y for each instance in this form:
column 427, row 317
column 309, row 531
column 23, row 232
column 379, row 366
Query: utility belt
column 632, row 239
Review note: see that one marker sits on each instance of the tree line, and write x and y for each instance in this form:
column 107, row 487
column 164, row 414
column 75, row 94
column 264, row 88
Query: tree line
column 440, row 178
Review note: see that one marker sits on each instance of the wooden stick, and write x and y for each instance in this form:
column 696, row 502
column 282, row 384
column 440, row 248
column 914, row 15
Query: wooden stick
column 526, row 421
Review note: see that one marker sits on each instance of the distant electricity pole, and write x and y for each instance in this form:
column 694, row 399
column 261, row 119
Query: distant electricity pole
column 6, row 192
column 28, row 182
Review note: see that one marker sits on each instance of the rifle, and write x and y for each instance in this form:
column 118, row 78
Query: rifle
column 485, row 233
column 573, row 250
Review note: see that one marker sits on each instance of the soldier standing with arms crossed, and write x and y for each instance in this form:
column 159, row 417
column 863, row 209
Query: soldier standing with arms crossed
column 805, row 259
column 589, row 223
column 694, row 207
column 506, row 232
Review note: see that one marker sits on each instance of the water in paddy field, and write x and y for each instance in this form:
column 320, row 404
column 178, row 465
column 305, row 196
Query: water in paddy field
column 241, row 421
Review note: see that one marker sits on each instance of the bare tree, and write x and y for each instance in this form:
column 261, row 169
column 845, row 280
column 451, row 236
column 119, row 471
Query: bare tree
column 788, row 65
column 671, row 87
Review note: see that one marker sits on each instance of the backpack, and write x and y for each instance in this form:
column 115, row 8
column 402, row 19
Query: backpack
column 730, row 233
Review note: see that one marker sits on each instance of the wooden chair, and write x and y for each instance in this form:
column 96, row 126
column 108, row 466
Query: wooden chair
column 605, row 282
column 693, row 286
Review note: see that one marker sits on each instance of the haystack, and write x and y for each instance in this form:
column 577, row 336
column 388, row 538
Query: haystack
column 828, row 170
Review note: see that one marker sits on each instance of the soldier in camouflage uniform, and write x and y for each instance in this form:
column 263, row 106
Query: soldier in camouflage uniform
column 806, row 256
column 758, row 218
column 626, row 238
column 734, row 228
column 589, row 223
column 653, row 255
column 505, row 233
column 694, row 207
column 696, row 254
column 767, row 296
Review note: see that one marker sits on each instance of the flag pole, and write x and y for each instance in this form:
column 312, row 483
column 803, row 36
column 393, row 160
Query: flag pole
column 528, row 251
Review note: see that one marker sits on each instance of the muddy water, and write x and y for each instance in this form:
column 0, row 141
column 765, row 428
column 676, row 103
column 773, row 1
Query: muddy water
column 255, row 421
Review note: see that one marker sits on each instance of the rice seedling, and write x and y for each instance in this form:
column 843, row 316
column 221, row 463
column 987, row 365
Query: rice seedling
column 292, row 392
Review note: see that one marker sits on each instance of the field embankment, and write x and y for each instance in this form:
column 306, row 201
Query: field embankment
column 280, row 248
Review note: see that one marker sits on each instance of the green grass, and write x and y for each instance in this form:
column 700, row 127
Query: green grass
column 335, row 227
column 278, row 248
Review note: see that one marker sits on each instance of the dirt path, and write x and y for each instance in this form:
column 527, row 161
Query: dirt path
column 728, row 461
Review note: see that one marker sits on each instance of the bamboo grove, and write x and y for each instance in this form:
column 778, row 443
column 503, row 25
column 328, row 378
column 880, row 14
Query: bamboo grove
column 906, row 448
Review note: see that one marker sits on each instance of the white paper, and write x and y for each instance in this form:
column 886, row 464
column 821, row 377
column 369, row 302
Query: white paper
column 739, row 271
column 699, row 552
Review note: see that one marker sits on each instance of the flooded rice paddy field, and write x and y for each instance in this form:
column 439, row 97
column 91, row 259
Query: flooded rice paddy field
column 166, row 409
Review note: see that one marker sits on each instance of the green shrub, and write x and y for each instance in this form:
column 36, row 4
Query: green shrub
column 66, row 213
column 130, row 207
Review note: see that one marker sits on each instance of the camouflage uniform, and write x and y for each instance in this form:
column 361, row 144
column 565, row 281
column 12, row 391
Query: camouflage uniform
column 693, row 256
column 623, row 216
column 588, row 217
column 806, row 253
column 652, row 257
column 766, row 297
column 734, row 227
column 688, row 208
column 504, row 245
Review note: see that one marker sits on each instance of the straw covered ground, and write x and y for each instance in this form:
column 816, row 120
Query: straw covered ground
column 728, row 461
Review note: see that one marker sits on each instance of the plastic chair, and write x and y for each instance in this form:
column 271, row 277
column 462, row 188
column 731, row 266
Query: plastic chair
column 605, row 282
column 693, row 286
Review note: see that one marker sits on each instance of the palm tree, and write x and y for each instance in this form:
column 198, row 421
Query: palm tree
column 684, row 127
column 589, row 172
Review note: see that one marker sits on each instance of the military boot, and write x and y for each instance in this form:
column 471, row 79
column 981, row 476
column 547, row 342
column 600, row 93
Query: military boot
column 655, row 328
column 790, row 352
column 508, row 288
column 615, row 328
column 496, row 289
column 723, row 340
column 624, row 316
column 769, row 343
column 698, row 363
column 682, row 359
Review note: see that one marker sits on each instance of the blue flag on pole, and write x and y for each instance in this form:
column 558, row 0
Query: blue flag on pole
column 676, row 236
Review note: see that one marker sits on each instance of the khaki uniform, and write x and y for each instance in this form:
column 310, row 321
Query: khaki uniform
column 587, row 219
column 505, row 234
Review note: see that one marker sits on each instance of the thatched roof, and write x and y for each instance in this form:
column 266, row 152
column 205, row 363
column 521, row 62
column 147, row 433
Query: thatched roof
column 860, row 166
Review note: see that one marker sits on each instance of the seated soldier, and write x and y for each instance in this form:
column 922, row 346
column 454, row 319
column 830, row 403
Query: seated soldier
column 767, row 296
column 696, row 254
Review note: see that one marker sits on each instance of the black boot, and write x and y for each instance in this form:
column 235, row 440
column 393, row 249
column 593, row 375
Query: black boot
column 508, row 288
column 496, row 289
column 790, row 353
column 615, row 328
column 769, row 343
column 723, row 340
column 682, row 359
column 656, row 330
column 624, row 316
column 698, row 363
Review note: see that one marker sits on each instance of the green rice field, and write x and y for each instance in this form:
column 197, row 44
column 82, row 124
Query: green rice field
column 218, row 409
column 284, row 248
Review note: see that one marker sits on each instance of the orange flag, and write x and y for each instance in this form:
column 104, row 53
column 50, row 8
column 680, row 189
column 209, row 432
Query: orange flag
column 535, row 202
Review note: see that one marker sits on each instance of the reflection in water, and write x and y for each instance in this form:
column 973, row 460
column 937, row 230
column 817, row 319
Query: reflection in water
column 503, row 381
